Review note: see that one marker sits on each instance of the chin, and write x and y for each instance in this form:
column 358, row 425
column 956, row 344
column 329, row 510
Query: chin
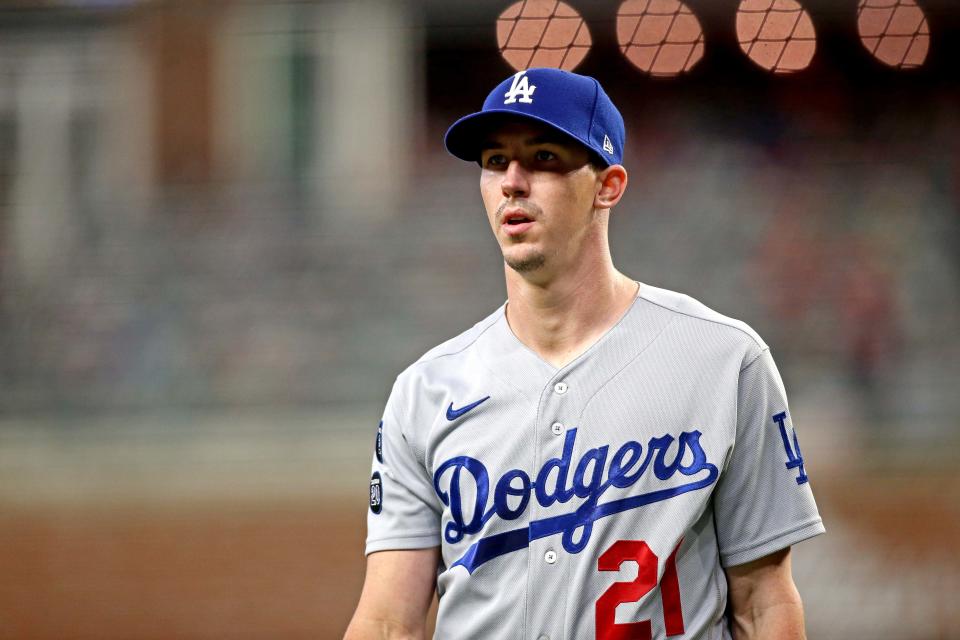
column 527, row 262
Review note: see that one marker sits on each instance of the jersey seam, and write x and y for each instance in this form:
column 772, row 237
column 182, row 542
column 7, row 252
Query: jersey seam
column 393, row 412
column 719, row 608
column 623, row 368
column 773, row 538
column 493, row 318
column 759, row 344
column 403, row 427
column 755, row 358
column 482, row 357
column 419, row 453
column 506, row 383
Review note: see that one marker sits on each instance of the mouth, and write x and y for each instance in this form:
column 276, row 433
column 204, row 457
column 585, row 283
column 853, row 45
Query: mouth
column 516, row 222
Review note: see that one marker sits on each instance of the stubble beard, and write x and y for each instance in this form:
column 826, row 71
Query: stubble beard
column 527, row 263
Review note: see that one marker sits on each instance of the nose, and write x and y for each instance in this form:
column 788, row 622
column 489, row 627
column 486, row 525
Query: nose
column 515, row 181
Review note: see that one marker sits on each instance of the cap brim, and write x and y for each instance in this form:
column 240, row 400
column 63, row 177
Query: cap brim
column 465, row 137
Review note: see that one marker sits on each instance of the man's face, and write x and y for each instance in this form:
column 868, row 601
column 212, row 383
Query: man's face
column 538, row 189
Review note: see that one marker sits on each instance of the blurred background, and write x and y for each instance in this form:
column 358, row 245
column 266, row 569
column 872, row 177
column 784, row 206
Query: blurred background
column 226, row 226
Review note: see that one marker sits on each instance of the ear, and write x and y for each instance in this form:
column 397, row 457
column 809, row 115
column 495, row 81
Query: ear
column 612, row 183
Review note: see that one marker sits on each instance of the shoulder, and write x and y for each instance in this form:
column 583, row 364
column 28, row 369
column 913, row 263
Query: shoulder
column 423, row 388
column 448, row 358
column 458, row 344
column 703, row 325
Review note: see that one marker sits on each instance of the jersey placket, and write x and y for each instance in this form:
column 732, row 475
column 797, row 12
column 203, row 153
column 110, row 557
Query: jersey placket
column 547, row 560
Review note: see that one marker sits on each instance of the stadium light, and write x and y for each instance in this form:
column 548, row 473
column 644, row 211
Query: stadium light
column 895, row 32
column 542, row 33
column 659, row 37
column 778, row 35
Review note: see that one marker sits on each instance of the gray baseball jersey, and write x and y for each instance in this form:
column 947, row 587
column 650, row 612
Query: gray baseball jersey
column 599, row 500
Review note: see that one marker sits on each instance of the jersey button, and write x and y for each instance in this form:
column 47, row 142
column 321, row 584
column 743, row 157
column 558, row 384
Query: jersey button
column 557, row 428
column 550, row 556
column 560, row 388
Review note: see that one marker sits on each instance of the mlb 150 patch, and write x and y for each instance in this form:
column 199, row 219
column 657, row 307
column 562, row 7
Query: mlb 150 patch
column 376, row 492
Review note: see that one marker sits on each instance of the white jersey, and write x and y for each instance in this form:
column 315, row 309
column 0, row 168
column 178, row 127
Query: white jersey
column 600, row 500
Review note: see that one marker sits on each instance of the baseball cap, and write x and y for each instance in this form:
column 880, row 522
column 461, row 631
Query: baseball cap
column 571, row 103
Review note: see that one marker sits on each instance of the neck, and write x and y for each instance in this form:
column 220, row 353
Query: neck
column 560, row 318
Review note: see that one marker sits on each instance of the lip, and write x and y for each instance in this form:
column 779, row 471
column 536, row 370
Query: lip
column 517, row 228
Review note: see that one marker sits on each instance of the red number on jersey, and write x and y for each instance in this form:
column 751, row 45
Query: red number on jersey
column 620, row 592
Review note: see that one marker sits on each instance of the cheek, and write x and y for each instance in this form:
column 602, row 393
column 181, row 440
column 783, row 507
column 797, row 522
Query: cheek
column 574, row 199
column 491, row 196
column 583, row 195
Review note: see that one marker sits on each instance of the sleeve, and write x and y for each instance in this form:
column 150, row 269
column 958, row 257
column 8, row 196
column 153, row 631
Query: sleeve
column 763, row 502
column 404, row 510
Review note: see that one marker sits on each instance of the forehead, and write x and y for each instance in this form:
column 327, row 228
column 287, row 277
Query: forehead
column 523, row 132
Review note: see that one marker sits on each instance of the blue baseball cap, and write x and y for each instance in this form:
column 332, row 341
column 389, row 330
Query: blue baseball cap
column 573, row 104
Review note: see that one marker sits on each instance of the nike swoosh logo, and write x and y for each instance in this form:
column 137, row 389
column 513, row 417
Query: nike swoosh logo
column 453, row 414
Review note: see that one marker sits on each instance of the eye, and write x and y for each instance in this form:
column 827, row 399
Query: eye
column 542, row 155
column 495, row 160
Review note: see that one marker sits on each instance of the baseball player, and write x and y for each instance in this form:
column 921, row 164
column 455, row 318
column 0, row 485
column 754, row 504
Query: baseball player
column 597, row 459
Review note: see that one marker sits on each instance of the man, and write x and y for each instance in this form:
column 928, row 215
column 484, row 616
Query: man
column 598, row 459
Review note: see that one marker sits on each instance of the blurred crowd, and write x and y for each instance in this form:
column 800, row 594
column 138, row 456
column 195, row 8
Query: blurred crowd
column 182, row 230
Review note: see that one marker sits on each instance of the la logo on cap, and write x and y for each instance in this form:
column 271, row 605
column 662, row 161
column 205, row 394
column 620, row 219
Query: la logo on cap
column 521, row 86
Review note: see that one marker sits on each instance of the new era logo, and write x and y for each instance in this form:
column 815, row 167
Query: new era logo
column 607, row 145
column 521, row 87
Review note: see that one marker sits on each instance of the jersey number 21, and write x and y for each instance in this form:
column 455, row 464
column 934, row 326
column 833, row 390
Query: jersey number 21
column 620, row 592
